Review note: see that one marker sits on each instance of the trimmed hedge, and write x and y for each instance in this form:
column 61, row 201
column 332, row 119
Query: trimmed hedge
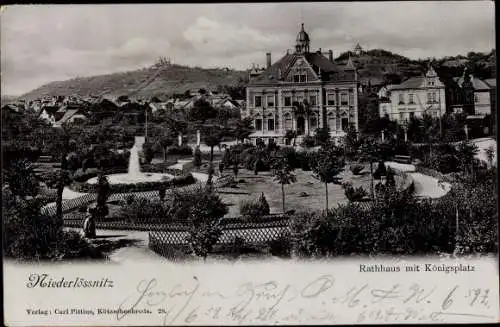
column 136, row 187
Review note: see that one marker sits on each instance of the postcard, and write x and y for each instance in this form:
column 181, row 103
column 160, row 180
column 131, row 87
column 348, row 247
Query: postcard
column 249, row 164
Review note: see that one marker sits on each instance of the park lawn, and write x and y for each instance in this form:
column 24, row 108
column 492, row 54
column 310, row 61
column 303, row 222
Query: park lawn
column 314, row 190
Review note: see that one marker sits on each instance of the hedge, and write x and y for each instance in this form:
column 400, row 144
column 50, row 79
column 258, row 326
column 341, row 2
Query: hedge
column 136, row 187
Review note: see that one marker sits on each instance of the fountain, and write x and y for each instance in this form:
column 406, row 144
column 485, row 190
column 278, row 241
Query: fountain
column 134, row 174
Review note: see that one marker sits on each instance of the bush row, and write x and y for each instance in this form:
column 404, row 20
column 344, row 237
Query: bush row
column 136, row 187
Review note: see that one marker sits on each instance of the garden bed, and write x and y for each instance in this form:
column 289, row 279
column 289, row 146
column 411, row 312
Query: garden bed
column 135, row 187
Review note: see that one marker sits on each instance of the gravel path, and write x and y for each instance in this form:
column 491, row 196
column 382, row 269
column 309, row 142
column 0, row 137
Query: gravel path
column 425, row 186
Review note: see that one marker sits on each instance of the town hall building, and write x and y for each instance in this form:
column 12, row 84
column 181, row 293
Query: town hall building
column 303, row 91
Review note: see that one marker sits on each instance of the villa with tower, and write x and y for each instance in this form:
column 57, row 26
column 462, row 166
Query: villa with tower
column 302, row 91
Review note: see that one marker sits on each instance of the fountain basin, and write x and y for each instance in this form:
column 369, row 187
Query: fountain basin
column 132, row 179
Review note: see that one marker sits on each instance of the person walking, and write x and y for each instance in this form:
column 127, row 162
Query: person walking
column 89, row 225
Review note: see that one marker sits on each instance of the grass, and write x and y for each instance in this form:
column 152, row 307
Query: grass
column 314, row 190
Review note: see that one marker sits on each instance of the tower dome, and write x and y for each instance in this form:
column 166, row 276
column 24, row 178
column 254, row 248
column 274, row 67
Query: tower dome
column 302, row 41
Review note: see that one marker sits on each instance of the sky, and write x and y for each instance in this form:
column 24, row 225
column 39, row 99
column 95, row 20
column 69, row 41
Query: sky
column 45, row 43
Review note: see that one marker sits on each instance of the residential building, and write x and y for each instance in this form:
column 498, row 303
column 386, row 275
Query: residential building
column 481, row 97
column 414, row 98
column 301, row 92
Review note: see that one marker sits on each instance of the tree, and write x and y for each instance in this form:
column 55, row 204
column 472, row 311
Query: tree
column 351, row 142
column 322, row 135
column 490, row 154
column 164, row 142
column 291, row 135
column 243, row 128
column 21, row 178
column 212, row 139
column 197, row 157
column 202, row 210
column 327, row 163
column 103, row 192
column 466, row 152
column 283, row 174
column 147, row 150
column 201, row 111
column 370, row 152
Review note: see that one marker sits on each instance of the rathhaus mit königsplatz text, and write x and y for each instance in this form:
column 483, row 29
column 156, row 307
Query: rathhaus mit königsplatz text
column 303, row 91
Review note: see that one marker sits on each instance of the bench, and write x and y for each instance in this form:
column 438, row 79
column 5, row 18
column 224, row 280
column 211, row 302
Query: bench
column 402, row 159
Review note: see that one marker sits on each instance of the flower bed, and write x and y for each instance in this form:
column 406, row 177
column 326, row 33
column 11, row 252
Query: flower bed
column 135, row 187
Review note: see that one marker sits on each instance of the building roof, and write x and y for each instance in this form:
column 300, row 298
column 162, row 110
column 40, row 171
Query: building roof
column 412, row 83
column 51, row 110
column 477, row 84
column 68, row 114
column 329, row 70
column 492, row 82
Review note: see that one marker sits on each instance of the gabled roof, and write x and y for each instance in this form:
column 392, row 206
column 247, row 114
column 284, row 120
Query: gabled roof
column 68, row 114
column 51, row 110
column 317, row 61
column 492, row 82
column 477, row 84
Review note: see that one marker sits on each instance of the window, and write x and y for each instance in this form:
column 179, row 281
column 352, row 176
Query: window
column 411, row 100
column 431, row 97
column 401, row 99
column 288, row 122
column 270, row 100
column 331, row 121
column 345, row 124
column 312, row 100
column 258, row 124
column 331, row 99
column 412, row 115
column 288, row 101
column 299, row 78
column 476, row 98
column 401, row 116
column 258, row 101
column 270, row 124
column 344, row 99
column 313, row 122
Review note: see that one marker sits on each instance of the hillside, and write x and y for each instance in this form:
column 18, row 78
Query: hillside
column 154, row 81
column 375, row 67
column 379, row 66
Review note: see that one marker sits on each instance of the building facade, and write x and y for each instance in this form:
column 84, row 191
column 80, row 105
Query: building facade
column 414, row 98
column 301, row 92
column 480, row 103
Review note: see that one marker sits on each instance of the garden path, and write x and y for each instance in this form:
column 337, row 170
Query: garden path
column 425, row 186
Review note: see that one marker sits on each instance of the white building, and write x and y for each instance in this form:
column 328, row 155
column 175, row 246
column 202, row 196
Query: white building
column 414, row 98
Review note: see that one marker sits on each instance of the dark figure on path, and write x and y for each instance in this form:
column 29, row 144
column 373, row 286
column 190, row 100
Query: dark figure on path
column 89, row 225
column 221, row 168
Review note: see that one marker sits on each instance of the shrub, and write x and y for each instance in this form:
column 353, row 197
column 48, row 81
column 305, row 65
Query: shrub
column 308, row 142
column 354, row 194
column 161, row 193
column 282, row 246
column 136, row 187
column 180, row 150
column 356, row 169
column 255, row 209
column 390, row 179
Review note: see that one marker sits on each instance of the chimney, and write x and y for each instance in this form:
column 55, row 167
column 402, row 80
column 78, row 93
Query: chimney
column 330, row 55
column 268, row 59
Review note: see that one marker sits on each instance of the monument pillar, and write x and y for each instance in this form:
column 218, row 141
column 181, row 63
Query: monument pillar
column 198, row 137
column 179, row 139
